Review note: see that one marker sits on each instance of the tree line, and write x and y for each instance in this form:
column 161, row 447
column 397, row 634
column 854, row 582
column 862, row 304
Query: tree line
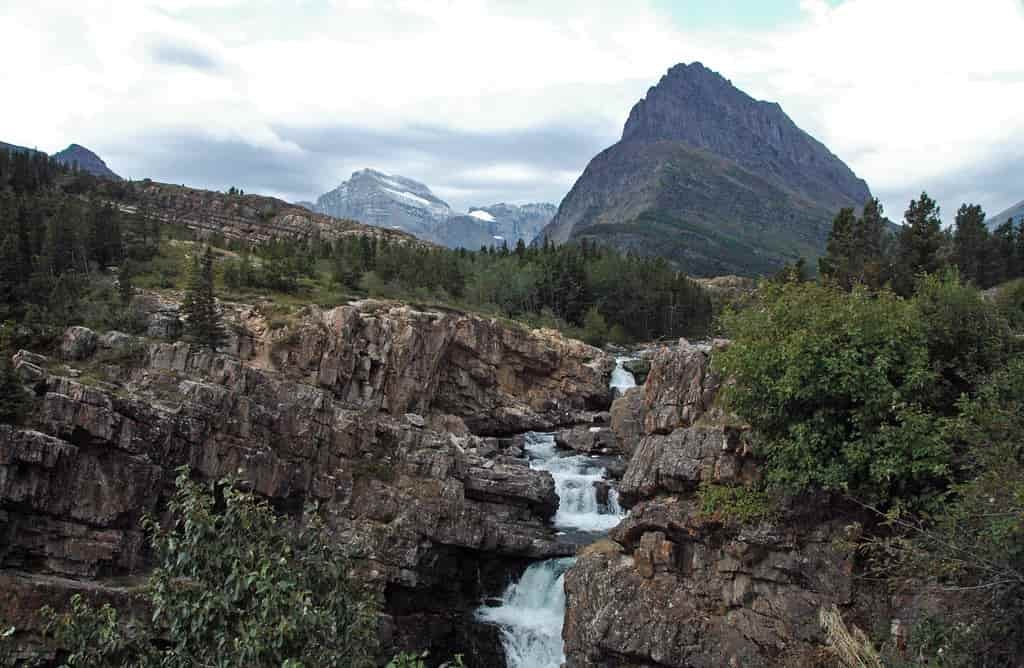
column 603, row 294
column 865, row 251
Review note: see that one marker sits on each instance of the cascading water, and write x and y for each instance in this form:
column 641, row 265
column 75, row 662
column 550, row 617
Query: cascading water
column 622, row 378
column 532, row 610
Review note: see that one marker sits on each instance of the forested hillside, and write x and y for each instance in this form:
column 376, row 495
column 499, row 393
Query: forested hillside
column 73, row 246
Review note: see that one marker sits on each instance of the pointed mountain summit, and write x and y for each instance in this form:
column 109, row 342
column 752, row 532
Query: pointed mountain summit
column 86, row 160
column 380, row 199
column 712, row 179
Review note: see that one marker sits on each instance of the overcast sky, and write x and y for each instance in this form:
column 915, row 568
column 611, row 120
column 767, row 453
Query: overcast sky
column 488, row 100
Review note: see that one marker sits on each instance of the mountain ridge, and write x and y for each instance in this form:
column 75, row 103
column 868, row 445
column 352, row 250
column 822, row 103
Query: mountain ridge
column 710, row 178
column 398, row 202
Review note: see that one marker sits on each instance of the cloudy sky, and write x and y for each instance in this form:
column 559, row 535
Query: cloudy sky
column 507, row 100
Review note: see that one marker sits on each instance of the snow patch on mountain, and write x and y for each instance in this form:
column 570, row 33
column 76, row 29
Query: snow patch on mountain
column 480, row 214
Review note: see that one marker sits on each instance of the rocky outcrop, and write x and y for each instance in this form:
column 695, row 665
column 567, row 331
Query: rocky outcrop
column 679, row 584
column 627, row 419
column 680, row 388
column 362, row 408
column 249, row 218
column 589, row 439
column 672, row 590
column 678, row 462
column 499, row 379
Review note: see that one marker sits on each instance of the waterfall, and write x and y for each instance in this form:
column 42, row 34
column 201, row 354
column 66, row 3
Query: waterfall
column 531, row 614
column 532, row 610
column 622, row 378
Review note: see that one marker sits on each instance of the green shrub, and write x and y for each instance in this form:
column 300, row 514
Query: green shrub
column 832, row 381
column 735, row 503
column 235, row 586
column 1009, row 300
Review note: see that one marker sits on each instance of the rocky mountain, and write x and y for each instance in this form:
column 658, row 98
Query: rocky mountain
column 86, row 160
column 712, row 179
column 379, row 199
column 398, row 202
column 494, row 225
column 1015, row 212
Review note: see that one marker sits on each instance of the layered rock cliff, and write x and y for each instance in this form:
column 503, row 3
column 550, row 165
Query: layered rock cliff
column 681, row 584
column 363, row 408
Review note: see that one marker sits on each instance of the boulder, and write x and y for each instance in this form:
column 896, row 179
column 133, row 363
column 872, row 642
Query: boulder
column 588, row 439
column 78, row 343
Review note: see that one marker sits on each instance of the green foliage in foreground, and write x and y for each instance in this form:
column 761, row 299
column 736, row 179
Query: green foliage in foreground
column 235, row 586
column 853, row 391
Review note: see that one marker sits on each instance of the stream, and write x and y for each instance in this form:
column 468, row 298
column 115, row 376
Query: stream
column 532, row 609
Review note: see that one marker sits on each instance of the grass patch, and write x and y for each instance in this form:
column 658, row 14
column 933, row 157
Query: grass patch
column 735, row 504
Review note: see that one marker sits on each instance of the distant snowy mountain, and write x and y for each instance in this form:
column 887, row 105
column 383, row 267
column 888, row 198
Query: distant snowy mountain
column 495, row 225
column 383, row 200
column 1015, row 213
column 392, row 201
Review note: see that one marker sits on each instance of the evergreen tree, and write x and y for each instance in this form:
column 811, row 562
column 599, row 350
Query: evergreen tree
column 971, row 244
column 838, row 265
column 920, row 244
column 1004, row 252
column 203, row 320
column 870, row 237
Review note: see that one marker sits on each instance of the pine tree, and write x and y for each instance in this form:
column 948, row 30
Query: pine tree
column 870, row 236
column 837, row 266
column 920, row 243
column 203, row 321
column 971, row 244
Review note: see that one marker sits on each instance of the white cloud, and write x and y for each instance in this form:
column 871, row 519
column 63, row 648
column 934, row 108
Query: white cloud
column 910, row 93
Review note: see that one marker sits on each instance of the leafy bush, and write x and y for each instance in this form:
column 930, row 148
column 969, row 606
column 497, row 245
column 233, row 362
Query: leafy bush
column 1010, row 302
column 967, row 338
column 831, row 382
column 237, row 587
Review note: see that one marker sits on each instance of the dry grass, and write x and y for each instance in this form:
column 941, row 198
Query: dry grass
column 852, row 647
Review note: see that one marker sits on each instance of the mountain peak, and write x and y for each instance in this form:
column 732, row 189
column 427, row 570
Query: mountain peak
column 710, row 178
column 86, row 160
column 699, row 107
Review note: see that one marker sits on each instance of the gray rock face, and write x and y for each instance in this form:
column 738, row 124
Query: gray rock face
column 702, row 109
column 494, row 225
column 86, row 160
column 382, row 200
column 678, row 462
column 627, row 419
column 713, row 180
